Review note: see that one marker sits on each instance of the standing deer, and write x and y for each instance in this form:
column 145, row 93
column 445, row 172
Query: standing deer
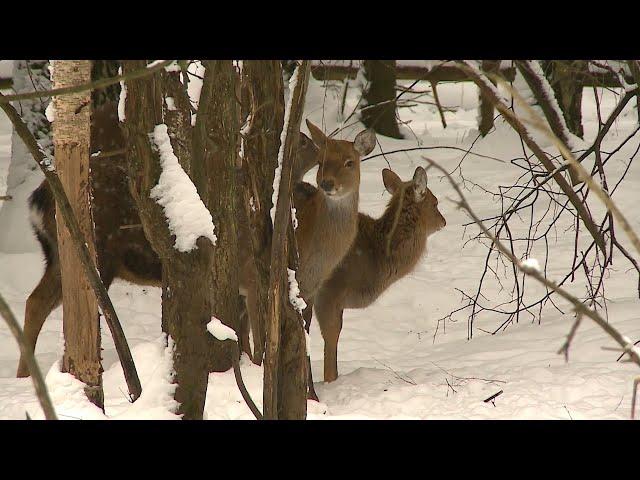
column 327, row 216
column 122, row 248
column 385, row 250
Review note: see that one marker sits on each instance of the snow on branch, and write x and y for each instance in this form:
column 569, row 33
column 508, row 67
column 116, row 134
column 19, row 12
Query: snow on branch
column 186, row 214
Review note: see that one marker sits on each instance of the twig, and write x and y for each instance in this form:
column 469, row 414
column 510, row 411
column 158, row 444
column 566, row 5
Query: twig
column 580, row 307
column 565, row 347
column 240, row 382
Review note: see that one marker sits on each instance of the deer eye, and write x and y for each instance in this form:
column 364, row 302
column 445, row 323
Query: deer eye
column 348, row 163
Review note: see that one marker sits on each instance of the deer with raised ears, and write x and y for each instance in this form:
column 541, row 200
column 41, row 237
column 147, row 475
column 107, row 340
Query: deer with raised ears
column 327, row 215
column 385, row 250
column 122, row 248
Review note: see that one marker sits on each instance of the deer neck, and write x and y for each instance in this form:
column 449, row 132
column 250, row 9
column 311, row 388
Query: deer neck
column 403, row 237
column 335, row 228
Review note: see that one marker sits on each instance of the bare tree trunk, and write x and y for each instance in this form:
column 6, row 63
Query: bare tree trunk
column 379, row 93
column 81, row 322
column 218, row 124
column 263, row 104
column 567, row 80
column 486, row 110
column 285, row 385
column 186, row 276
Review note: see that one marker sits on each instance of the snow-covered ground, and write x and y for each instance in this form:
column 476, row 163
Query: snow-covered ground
column 391, row 361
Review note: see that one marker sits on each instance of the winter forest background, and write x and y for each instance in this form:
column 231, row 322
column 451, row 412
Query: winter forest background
column 538, row 154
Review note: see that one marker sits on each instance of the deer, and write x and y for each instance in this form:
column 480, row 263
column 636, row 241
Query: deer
column 385, row 250
column 327, row 215
column 121, row 246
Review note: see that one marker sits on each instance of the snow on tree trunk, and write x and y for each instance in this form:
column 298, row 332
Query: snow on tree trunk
column 81, row 322
column 24, row 176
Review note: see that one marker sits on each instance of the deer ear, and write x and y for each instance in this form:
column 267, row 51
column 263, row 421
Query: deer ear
column 420, row 181
column 319, row 138
column 391, row 180
column 365, row 142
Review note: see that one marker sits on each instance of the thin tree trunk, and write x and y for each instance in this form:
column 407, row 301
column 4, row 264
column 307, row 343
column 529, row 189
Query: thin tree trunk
column 218, row 121
column 186, row 276
column 285, row 387
column 379, row 92
column 81, row 324
column 486, row 110
column 567, row 80
column 263, row 104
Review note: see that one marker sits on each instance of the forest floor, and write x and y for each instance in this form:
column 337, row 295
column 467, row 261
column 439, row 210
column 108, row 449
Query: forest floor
column 397, row 358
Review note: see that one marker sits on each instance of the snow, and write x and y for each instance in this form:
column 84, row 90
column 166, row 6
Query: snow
column 220, row 331
column 397, row 358
column 293, row 81
column 532, row 264
column 171, row 104
column 50, row 111
column 294, row 292
column 187, row 216
column 122, row 99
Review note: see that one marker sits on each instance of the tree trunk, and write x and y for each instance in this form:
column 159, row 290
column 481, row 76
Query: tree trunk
column 186, row 276
column 24, row 176
column 285, row 386
column 218, row 123
column 81, row 323
column 378, row 109
column 263, row 109
column 486, row 110
column 567, row 81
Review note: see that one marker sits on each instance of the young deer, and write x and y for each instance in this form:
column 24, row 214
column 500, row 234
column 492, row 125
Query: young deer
column 385, row 250
column 327, row 216
column 122, row 248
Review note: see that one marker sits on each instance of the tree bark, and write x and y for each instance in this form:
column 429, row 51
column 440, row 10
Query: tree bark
column 218, row 124
column 567, row 81
column 186, row 276
column 486, row 110
column 81, row 323
column 263, row 110
column 285, row 386
column 379, row 93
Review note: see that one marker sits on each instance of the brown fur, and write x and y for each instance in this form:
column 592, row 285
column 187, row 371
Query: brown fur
column 327, row 216
column 367, row 270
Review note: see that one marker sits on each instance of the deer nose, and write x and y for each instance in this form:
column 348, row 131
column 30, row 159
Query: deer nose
column 327, row 185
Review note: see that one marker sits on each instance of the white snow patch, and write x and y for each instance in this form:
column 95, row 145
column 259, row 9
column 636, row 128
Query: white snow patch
column 171, row 104
column 50, row 111
column 294, row 292
column 220, row 330
column 531, row 264
column 122, row 98
column 187, row 216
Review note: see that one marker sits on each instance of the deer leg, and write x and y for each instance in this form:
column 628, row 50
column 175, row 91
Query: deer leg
column 329, row 316
column 43, row 300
